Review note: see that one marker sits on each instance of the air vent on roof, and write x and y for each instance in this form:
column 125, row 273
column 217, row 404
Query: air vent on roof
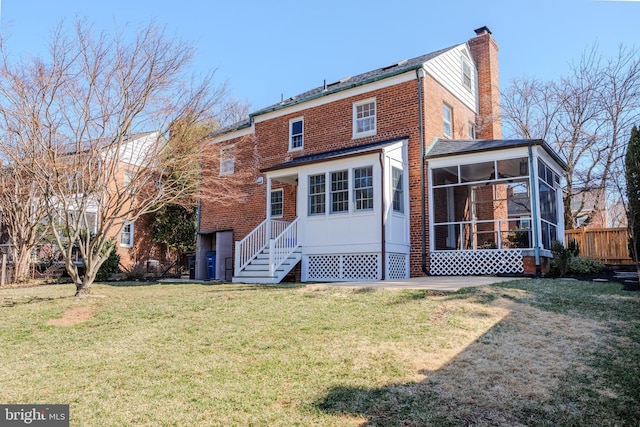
column 397, row 64
column 339, row 81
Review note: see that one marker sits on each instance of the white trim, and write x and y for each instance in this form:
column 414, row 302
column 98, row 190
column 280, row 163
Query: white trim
column 277, row 190
column 233, row 135
column 449, row 108
column 291, row 122
column 131, row 235
column 354, row 119
column 343, row 94
column 233, row 160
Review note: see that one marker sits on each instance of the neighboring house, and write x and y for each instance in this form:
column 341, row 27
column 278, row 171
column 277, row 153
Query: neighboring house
column 589, row 208
column 134, row 243
column 380, row 176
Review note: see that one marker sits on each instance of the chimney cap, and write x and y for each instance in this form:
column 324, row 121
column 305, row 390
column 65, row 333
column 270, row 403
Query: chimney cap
column 482, row 30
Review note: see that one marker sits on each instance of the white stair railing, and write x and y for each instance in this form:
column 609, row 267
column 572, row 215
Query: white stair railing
column 249, row 247
column 282, row 246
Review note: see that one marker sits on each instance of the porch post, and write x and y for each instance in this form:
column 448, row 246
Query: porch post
column 534, row 210
column 268, row 216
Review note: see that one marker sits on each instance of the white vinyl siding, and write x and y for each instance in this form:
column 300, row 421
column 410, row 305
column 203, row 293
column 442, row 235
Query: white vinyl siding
column 446, row 69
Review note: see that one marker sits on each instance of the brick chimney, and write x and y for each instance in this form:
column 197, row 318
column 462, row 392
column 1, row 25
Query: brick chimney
column 484, row 50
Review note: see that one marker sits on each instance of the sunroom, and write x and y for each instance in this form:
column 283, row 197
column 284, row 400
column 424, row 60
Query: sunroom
column 495, row 206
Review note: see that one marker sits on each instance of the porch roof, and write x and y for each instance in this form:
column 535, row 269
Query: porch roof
column 335, row 154
column 453, row 147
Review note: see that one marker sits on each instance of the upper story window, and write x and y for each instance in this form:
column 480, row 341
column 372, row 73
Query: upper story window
column 472, row 131
column 447, row 118
column 467, row 80
column 277, row 202
column 227, row 159
column 364, row 118
column 296, row 134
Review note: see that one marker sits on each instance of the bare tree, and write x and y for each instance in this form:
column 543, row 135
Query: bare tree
column 113, row 126
column 584, row 116
column 23, row 213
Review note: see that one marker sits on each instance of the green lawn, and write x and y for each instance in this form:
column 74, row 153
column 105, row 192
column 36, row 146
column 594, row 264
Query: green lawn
column 530, row 352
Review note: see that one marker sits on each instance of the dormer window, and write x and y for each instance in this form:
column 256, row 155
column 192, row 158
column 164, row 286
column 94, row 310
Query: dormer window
column 296, row 134
column 364, row 118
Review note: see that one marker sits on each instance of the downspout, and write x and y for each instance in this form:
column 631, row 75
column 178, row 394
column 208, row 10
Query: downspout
column 423, row 213
column 383, row 216
column 534, row 211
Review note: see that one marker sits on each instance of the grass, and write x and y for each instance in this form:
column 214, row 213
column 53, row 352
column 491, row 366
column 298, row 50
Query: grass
column 532, row 352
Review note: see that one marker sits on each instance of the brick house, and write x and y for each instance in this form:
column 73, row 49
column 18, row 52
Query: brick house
column 394, row 173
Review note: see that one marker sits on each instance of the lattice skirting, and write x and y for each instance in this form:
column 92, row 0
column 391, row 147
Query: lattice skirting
column 397, row 266
column 489, row 262
column 342, row 267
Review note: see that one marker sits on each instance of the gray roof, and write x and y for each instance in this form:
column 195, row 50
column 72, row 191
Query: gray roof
column 340, row 85
column 84, row 146
column 359, row 80
column 452, row 147
column 329, row 155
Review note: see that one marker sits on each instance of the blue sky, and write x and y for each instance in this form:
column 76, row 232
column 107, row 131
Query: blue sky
column 268, row 48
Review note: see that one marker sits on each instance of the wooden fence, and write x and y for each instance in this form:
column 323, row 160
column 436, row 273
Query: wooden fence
column 610, row 245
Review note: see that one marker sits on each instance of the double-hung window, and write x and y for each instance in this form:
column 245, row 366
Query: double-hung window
column 363, row 188
column 276, row 203
column 340, row 191
column 364, row 118
column 317, row 194
column 467, row 80
column 227, row 160
column 447, row 119
column 126, row 235
column 296, row 134
column 398, row 191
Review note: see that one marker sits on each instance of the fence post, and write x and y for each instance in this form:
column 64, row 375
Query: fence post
column 3, row 277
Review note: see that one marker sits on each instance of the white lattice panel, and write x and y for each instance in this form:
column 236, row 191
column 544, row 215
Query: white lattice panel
column 343, row 267
column 482, row 262
column 397, row 266
column 360, row 267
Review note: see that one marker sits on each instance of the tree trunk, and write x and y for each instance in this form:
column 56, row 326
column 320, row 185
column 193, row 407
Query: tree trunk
column 21, row 263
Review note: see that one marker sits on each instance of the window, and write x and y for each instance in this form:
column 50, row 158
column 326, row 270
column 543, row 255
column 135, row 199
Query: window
column 472, row 131
column 364, row 118
column 227, row 159
column 340, row 191
column 126, row 235
column 316, row 194
column 363, row 188
column 447, row 117
column 398, row 192
column 128, row 177
column 276, row 202
column 466, row 75
column 296, row 134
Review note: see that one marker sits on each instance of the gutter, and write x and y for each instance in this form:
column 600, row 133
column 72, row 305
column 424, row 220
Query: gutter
column 423, row 213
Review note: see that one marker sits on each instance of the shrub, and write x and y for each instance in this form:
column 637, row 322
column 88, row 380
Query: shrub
column 579, row 265
column 561, row 258
column 109, row 267
column 137, row 272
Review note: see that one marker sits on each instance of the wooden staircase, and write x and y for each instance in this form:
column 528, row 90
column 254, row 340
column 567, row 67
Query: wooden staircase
column 268, row 253
column 258, row 270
